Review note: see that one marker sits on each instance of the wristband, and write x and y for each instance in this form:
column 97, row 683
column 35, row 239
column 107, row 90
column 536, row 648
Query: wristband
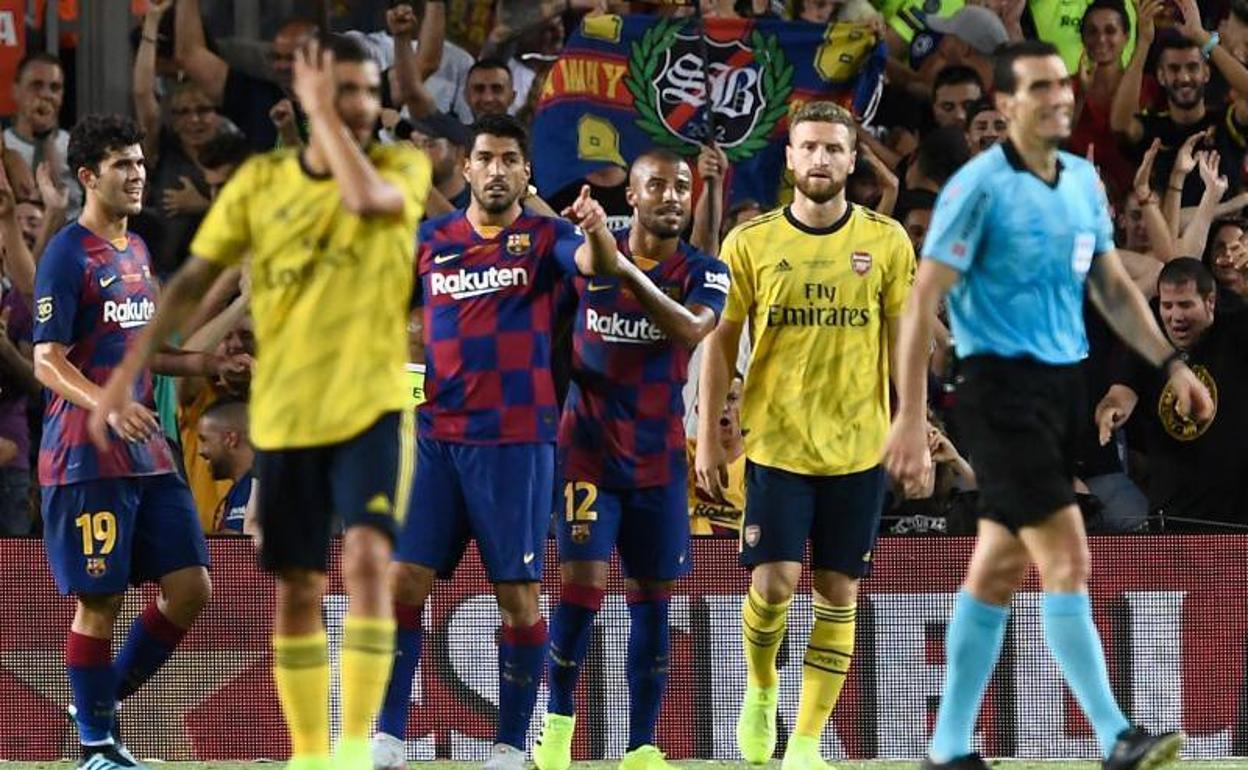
column 1206, row 50
column 1175, row 355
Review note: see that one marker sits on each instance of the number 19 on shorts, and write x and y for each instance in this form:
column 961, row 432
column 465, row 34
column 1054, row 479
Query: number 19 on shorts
column 99, row 531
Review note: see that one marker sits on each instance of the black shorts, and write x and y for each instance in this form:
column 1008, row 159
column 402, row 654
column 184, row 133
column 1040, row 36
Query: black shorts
column 1021, row 422
column 839, row 515
column 365, row 480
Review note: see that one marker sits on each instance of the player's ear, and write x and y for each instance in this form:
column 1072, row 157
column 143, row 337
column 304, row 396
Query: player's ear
column 86, row 177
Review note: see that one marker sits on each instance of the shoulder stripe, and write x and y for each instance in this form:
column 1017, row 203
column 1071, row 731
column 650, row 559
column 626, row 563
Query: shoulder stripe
column 761, row 219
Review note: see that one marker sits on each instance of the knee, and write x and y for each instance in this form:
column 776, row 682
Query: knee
column 410, row 583
column 775, row 583
column 590, row 574
column 518, row 604
column 189, row 597
column 102, row 608
column 1066, row 571
column 995, row 580
column 300, row 591
column 835, row 588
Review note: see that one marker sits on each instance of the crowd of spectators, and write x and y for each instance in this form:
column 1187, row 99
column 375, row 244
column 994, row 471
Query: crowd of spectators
column 1161, row 107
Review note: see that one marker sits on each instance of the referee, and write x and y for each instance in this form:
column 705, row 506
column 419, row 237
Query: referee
column 1015, row 236
column 822, row 284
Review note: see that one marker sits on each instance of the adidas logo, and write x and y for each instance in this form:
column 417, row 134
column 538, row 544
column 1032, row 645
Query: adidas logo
column 783, row 266
column 379, row 504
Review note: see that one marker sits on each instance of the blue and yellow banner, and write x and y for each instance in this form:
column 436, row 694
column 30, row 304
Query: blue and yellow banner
column 625, row 84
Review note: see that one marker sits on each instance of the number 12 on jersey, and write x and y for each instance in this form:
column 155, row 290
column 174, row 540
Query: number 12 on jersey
column 584, row 510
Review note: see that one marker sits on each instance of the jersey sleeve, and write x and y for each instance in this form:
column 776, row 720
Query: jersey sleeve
column 709, row 284
column 958, row 220
column 225, row 234
column 899, row 278
column 741, row 289
column 1104, row 222
column 568, row 238
column 407, row 169
column 58, row 288
column 423, row 247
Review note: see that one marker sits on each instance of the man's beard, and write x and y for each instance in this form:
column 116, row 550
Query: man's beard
column 495, row 205
column 822, row 191
column 656, row 225
column 1171, row 95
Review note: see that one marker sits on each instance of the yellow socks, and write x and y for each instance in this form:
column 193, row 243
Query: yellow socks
column 825, row 666
column 762, row 627
column 367, row 655
column 301, row 671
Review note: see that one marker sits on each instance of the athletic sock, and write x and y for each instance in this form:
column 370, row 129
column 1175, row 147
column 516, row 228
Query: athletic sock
column 94, row 685
column 301, row 671
column 409, row 634
column 1075, row 644
column 972, row 646
column 149, row 644
column 649, row 637
column 762, row 627
column 521, row 652
column 825, row 666
column 367, row 657
column 571, row 631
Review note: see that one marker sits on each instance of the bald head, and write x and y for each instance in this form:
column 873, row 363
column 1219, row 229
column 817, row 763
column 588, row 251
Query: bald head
column 228, row 414
column 223, row 441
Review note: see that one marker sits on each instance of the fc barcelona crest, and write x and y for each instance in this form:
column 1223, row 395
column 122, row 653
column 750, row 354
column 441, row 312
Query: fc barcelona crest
column 96, row 567
column 518, row 244
column 860, row 261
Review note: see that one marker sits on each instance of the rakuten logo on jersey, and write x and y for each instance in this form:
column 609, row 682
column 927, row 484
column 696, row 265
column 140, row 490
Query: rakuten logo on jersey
column 464, row 284
column 620, row 328
column 130, row 313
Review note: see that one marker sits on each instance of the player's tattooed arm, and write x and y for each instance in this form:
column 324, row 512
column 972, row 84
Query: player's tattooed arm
column 178, row 300
column 684, row 324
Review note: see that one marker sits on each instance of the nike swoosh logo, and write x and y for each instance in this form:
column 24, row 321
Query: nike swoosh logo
column 108, row 281
column 600, row 286
column 528, row 557
column 444, row 258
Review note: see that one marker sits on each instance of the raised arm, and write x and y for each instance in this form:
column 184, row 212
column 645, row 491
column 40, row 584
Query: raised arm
column 1190, row 26
column 208, row 70
column 19, row 265
column 1159, row 234
column 55, row 206
column 1127, row 98
column 146, row 108
column 708, row 212
column 364, row 191
column 401, row 23
column 1196, row 234
column 432, row 35
column 598, row 254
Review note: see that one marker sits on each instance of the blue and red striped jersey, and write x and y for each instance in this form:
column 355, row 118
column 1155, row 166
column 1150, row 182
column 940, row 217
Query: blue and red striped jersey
column 488, row 309
column 94, row 298
column 623, row 421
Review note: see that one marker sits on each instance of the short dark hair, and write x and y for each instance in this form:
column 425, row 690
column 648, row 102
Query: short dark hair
column 1184, row 269
column 1230, row 221
column 941, row 152
column 913, row 200
column 504, row 126
column 1173, row 42
column 1004, row 79
column 227, row 148
column 1239, row 9
column 231, row 410
column 95, row 136
column 36, row 57
column 978, row 106
column 660, row 155
column 956, row 75
column 1114, row 6
column 488, row 63
column 348, row 49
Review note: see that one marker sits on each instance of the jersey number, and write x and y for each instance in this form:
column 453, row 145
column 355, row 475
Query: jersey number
column 97, row 528
column 585, row 511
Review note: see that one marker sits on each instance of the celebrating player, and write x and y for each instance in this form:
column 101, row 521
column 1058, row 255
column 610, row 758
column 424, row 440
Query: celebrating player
column 330, row 230
column 622, row 452
column 822, row 283
column 115, row 513
column 1016, row 235
column 485, row 455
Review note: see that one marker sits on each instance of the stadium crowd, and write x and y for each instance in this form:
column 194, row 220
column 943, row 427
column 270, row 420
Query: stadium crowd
column 1162, row 110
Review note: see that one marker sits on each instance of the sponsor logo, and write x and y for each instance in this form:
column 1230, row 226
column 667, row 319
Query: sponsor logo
column 860, row 261
column 528, row 557
column 813, row 315
column 616, row 327
column 43, row 309
column 464, row 284
column 442, row 259
column 379, row 504
column 717, row 281
column 518, row 243
column 129, row 314
column 107, row 281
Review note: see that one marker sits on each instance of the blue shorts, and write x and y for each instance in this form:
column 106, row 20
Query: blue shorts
column 497, row 494
column 105, row 534
column 363, row 481
column 839, row 515
column 649, row 527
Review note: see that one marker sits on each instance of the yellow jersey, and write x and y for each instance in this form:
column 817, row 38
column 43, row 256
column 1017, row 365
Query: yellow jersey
column 705, row 515
column 330, row 293
column 815, row 302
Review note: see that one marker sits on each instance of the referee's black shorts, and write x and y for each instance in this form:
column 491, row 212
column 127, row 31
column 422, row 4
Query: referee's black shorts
column 1021, row 422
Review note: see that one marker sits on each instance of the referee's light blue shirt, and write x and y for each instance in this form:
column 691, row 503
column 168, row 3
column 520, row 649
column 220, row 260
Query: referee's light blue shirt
column 1023, row 248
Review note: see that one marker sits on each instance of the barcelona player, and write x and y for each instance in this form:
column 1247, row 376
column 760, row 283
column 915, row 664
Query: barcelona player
column 116, row 514
column 622, row 451
column 330, row 228
column 822, row 283
column 487, row 282
column 1019, row 237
